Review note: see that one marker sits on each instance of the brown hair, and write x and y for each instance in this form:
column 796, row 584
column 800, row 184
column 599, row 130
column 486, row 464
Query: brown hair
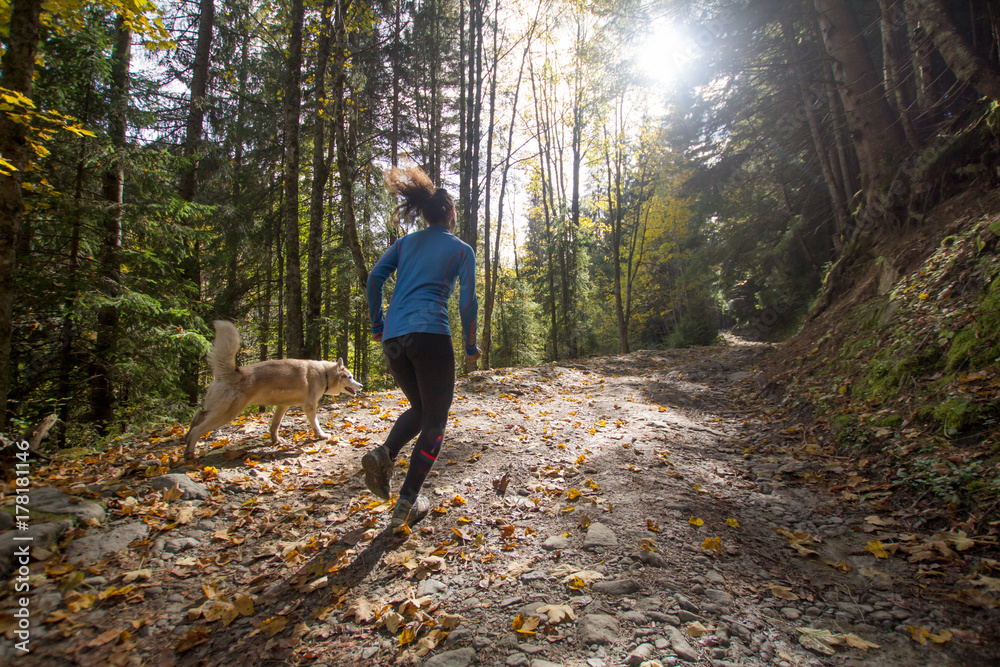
column 419, row 195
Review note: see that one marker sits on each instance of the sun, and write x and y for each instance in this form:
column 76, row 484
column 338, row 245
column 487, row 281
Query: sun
column 664, row 52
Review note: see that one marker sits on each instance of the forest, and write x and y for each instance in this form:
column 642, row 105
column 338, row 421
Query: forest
column 632, row 174
column 737, row 272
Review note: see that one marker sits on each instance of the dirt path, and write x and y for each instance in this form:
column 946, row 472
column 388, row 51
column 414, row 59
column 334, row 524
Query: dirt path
column 656, row 509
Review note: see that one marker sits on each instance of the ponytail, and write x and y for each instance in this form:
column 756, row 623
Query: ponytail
column 419, row 196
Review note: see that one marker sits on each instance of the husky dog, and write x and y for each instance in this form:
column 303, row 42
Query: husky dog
column 279, row 382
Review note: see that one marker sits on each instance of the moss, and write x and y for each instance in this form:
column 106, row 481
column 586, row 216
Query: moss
column 977, row 345
column 957, row 414
column 888, row 374
column 888, row 421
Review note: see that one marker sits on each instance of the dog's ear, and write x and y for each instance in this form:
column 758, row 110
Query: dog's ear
column 340, row 363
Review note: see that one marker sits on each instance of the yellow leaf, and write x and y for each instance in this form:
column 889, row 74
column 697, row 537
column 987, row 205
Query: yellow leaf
column 573, row 494
column 694, row 521
column 857, row 642
column 876, row 549
column 406, row 636
column 576, row 583
column 696, row 629
column 839, row 565
column 274, row 625
column 713, row 544
column 244, row 605
column 783, row 593
column 732, row 523
column 918, row 633
column 652, row 526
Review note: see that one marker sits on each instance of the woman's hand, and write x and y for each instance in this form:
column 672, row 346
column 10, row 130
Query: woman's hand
column 377, row 337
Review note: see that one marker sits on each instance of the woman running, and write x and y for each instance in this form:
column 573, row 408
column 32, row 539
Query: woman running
column 415, row 335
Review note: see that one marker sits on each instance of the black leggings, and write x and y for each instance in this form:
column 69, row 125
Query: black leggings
column 423, row 365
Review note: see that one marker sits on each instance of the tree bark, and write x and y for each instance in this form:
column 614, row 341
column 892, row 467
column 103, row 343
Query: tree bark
column 102, row 393
column 963, row 61
column 341, row 120
column 293, row 262
column 874, row 130
column 18, row 69
column 188, row 187
column 321, row 174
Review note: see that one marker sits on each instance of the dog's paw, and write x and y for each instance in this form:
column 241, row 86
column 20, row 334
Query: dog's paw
column 322, row 435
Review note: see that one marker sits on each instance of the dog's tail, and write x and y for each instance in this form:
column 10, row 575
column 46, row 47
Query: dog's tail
column 222, row 356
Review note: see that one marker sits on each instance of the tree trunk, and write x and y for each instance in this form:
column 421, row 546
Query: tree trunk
column 18, row 69
column 102, row 391
column 188, row 187
column 344, row 151
column 875, row 132
column 963, row 61
column 321, row 174
column 892, row 65
column 293, row 262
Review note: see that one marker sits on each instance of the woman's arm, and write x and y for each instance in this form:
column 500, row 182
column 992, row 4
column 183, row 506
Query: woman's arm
column 373, row 290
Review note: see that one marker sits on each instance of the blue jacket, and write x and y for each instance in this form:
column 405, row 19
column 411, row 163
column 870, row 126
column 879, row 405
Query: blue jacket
column 427, row 263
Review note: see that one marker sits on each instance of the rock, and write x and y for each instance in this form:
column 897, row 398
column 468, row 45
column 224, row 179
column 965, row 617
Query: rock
column 179, row 544
column 651, row 559
column 617, row 586
column 686, row 604
column 431, row 587
column 544, row 663
column 681, row 646
column 719, row 597
column 715, row 578
column 190, row 489
column 369, row 652
column 461, row 657
column 739, row 376
column 687, row 616
column 459, row 635
column 598, row 629
column 641, row 654
column 633, row 617
column 94, row 546
column 791, row 613
column 6, row 521
column 51, row 500
column 43, row 535
column 599, row 535
column 555, row 543
column 516, row 660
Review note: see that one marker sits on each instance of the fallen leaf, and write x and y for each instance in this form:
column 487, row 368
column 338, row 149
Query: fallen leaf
column 857, row 642
column 696, row 629
column 821, row 641
column 876, row 549
column 840, row 565
column 713, row 544
column 557, row 613
column 732, row 523
column 783, row 593
column 274, row 625
column 694, row 521
column 975, row 598
column 650, row 525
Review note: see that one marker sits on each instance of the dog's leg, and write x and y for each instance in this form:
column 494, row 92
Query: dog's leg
column 193, row 435
column 206, row 421
column 310, row 410
column 279, row 412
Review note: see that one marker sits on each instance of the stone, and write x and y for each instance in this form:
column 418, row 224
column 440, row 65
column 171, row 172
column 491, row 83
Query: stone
column 598, row 629
column 431, row 587
column 651, row 559
column 461, row 657
column 179, row 544
column 791, row 613
column 555, row 543
column 616, row 586
column 516, row 660
column 599, row 535
column 92, row 547
column 719, row 597
column 43, row 535
column 190, row 489
column 633, row 617
column 6, row 521
column 537, row 662
column 51, row 500
column 681, row 646
column 641, row 654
